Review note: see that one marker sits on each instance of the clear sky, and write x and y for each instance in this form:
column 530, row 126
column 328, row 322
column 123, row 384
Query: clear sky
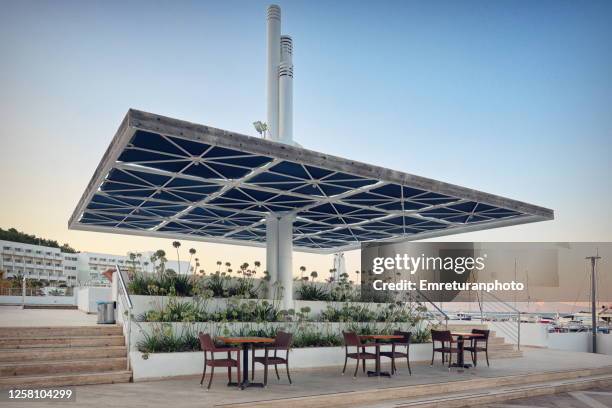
column 509, row 97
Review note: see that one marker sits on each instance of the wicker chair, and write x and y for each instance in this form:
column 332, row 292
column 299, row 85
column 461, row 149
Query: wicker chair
column 208, row 346
column 446, row 341
column 479, row 344
column 394, row 353
column 282, row 342
column 352, row 340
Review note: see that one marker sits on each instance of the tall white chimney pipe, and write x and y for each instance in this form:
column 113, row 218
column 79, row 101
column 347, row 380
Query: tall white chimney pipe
column 285, row 91
column 274, row 28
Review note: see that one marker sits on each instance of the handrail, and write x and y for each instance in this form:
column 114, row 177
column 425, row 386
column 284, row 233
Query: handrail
column 124, row 287
column 503, row 302
column 446, row 318
column 508, row 305
column 126, row 295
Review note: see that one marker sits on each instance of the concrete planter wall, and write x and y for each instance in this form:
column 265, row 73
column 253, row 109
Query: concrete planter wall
column 163, row 365
column 143, row 304
column 604, row 343
column 87, row 298
column 536, row 334
column 38, row 300
column 570, row 341
column 141, row 329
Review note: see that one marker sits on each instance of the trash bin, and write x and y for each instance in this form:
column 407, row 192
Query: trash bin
column 106, row 312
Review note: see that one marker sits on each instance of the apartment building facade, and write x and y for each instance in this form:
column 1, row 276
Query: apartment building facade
column 56, row 267
column 37, row 262
column 91, row 265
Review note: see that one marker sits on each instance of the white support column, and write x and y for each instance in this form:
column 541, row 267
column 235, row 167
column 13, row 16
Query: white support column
column 272, row 254
column 285, row 91
column 285, row 259
column 279, row 227
column 274, row 29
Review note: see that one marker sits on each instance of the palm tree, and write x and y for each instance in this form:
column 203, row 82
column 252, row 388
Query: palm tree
column 197, row 265
column 177, row 245
column 191, row 254
column 160, row 255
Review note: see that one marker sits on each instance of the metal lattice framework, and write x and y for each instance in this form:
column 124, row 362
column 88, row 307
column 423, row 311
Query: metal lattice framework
column 170, row 178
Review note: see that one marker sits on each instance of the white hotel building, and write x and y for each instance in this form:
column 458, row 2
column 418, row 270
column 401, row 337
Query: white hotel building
column 48, row 263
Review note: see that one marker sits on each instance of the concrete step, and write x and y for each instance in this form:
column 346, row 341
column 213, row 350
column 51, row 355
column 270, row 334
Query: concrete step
column 505, row 354
column 482, row 360
column 63, row 367
column 55, row 307
column 501, row 346
column 60, row 354
column 64, row 331
column 468, row 329
column 485, row 398
column 109, row 377
column 496, row 340
column 436, row 393
column 465, row 327
column 59, row 342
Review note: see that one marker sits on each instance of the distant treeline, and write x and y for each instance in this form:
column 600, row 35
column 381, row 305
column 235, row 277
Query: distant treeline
column 17, row 236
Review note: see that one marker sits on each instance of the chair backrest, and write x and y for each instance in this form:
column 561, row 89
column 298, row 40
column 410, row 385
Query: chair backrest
column 351, row 339
column 206, row 342
column 283, row 340
column 441, row 335
column 485, row 334
column 406, row 336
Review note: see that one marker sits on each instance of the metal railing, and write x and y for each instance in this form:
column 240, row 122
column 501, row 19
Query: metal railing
column 125, row 296
column 436, row 307
column 509, row 328
column 50, row 291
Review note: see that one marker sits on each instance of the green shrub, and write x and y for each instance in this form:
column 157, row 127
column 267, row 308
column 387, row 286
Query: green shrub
column 311, row 291
column 177, row 311
column 348, row 313
column 139, row 285
column 251, row 311
column 182, row 284
column 313, row 338
column 163, row 340
column 217, row 283
column 167, row 284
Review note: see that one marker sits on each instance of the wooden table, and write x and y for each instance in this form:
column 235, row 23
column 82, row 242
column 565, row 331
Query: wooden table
column 379, row 338
column 245, row 343
column 461, row 337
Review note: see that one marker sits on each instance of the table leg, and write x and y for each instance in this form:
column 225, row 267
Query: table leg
column 460, row 358
column 460, row 354
column 245, row 365
column 377, row 372
column 245, row 383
